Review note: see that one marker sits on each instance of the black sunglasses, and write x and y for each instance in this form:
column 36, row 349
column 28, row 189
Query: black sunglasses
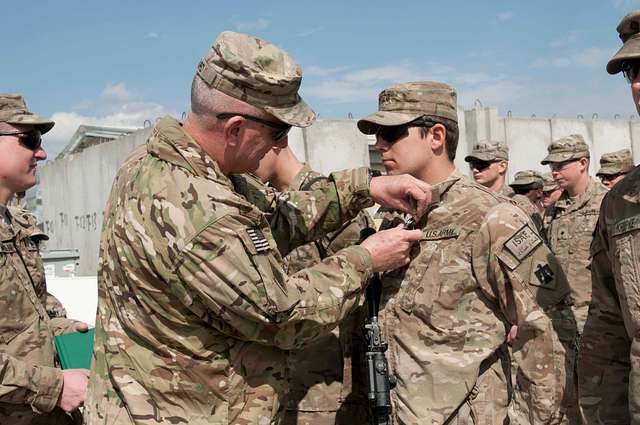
column 283, row 129
column 31, row 139
column 480, row 165
column 630, row 70
column 392, row 134
column 610, row 177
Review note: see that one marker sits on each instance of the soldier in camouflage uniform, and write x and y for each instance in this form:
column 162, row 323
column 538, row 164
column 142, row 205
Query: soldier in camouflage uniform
column 529, row 183
column 551, row 192
column 614, row 166
column 609, row 356
column 569, row 227
column 195, row 313
column 488, row 162
column 476, row 273
column 33, row 390
column 323, row 386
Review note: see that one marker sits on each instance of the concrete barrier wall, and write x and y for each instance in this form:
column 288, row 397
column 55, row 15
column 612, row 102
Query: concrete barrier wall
column 74, row 189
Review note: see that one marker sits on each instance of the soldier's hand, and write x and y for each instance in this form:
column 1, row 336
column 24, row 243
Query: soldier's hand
column 512, row 335
column 403, row 192
column 80, row 327
column 391, row 248
column 74, row 389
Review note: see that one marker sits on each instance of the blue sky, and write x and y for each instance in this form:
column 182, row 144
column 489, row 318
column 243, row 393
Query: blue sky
column 119, row 63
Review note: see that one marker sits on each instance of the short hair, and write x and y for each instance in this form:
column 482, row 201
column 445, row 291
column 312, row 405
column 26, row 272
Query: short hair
column 452, row 134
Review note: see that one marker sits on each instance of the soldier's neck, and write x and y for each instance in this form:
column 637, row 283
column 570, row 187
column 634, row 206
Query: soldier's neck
column 436, row 172
column 5, row 195
column 497, row 184
column 285, row 176
column 579, row 187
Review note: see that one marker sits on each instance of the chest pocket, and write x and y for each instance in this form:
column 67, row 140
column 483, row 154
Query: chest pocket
column 17, row 297
column 264, row 256
column 420, row 293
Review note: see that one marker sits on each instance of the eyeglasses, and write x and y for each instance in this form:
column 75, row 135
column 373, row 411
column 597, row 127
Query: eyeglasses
column 610, row 177
column 559, row 166
column 283, row 129
column 630, row 70
column 392, row 134
column 31, row 139
column 480, row 165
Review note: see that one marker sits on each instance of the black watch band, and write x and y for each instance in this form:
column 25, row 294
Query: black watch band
column 373, row 173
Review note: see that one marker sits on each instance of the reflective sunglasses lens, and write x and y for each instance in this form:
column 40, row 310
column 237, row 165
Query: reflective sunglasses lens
column 32, row 140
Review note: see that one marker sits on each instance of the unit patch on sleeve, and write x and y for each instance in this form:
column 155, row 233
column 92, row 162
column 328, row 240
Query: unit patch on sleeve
column 543, row 275
column 523, row 243
column 257, row 238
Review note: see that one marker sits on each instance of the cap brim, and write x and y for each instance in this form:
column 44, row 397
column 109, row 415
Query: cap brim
column 607, row 171
column 562, row 156
column 629, row 50
column 42, row 124
column 298, row 115
column 482, row 157
column 371, row 123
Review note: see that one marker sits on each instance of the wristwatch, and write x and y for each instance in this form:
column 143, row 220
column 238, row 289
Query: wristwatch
column 373, row 173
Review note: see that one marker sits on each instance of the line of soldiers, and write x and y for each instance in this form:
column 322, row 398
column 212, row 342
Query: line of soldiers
column 232, row 276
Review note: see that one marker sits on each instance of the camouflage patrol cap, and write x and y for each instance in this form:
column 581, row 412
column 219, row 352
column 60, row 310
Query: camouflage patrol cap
column 257, row 72
column 548, row 183
column 528, row 178
column 407, row 102
column 629, row 32
column 566, row 148
column 488, row 151
column 13, row 110
column 616, row 162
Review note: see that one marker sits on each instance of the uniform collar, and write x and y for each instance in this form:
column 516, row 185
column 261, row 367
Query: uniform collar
column 169, row 142
column 568, row 203
column 301, row 178
column 506, row 190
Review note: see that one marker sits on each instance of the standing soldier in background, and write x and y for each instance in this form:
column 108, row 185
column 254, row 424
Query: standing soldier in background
column 323, row 384
column 33, row 390
column 610, row 352
column 195, row 313
column 614, row 166
column 488, row 163
column 551, row 192
column 569, row 228
column 447, row 314
column 529, row 183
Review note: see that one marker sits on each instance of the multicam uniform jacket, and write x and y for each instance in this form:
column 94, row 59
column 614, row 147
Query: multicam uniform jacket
column 30, row 383
column 569, row 226
column 195, row 312
column 609, row 362
column 324, row 375
column 445, row 315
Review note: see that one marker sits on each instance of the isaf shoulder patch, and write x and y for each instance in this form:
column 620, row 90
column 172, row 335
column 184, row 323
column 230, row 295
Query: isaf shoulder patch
column 257, row 238
column 523, row 242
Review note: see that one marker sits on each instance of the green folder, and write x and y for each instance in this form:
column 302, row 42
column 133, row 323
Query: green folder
column 74, row 349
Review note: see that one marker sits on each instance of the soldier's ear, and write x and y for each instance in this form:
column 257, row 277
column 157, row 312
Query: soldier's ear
column 438, row 137
column 231, row 129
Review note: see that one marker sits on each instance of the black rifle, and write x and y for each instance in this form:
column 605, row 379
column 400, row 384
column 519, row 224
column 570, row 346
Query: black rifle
column 378, row 379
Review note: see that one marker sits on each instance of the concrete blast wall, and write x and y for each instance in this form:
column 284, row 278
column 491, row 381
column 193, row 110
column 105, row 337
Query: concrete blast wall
column 75, row 188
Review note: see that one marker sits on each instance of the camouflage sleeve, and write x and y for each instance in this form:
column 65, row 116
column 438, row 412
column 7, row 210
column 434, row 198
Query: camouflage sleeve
column 298, row 217
column 605, row 346
column 348, row 234
column 22, row 383
column 59, row 324
column 233, row 280
column 509, row 257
